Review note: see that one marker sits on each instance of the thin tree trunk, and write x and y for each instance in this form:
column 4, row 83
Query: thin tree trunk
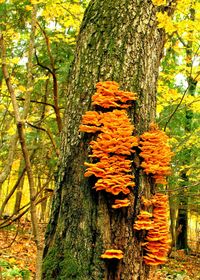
column 11, row 153
column 20, row 178
column 173, row 211
column 18, row 197
column 44, row 203
column 119, row 40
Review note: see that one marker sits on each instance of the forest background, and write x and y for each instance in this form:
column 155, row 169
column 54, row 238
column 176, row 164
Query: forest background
column 38, row 39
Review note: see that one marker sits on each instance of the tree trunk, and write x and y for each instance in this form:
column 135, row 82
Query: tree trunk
column 173, row 210
column 119, row 40
column 11, row 192
column 11, row 154
column 18, row 196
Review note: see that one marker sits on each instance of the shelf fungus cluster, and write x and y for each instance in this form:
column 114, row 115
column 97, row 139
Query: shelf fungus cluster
column 156, row 154
column 114, row 141
column 108, row 95
column 112, row 147
column 110, row 163
column 157, row 239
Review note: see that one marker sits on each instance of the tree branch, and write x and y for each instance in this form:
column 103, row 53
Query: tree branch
column 55, row 81
column 175, row 110
column 38, row 102
column 49, row 134
column 41, row 65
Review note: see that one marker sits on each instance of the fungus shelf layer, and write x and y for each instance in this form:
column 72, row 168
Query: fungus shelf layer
column 156, row 154
column 112, row 254
column 144, row 221
column 157, row 241
column 114, row 140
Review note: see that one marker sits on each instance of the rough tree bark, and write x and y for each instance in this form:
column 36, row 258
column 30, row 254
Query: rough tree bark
column 119, row 40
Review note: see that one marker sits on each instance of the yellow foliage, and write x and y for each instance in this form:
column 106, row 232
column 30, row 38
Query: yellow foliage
column 32, row 118
column 41, row 78
column 21, row 88
column 166, row 97
column 195, row 106
column 28, row 7
column 11, row 130
column 159, row 108
column 193, row 139
column 184, row 5
column 66, row 14
column 187, row 27
column 34, row 2
column 10, row 34
column 165, row 21
column 14, row 60
column 14, row 81
column 12, row 260
column 159, row 2
column 16, row 165
column 173, row 141
column 2, row 107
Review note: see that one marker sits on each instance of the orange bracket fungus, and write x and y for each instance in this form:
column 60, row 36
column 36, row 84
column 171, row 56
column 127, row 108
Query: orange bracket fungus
column 110, row 163
column 143, row 221
column 91, row 122
column 112, row 254
column 146, row 202
column 121, row 203
column 156, row 154
column 114, row 142
column 108, row 95
column 112, row 146
column 157, row 241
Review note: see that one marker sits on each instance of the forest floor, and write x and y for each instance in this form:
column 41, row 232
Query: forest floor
column 17, row 251
column 178, row 267
column 17, row 258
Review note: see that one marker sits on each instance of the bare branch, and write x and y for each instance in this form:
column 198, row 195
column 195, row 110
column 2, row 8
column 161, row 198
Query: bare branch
column 49, row 134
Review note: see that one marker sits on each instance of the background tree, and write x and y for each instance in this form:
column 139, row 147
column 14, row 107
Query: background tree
column 118, row 41
column 178, row 112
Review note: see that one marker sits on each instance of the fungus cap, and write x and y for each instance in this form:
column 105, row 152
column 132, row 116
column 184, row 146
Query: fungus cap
column 119, row 203
column 112, row 254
